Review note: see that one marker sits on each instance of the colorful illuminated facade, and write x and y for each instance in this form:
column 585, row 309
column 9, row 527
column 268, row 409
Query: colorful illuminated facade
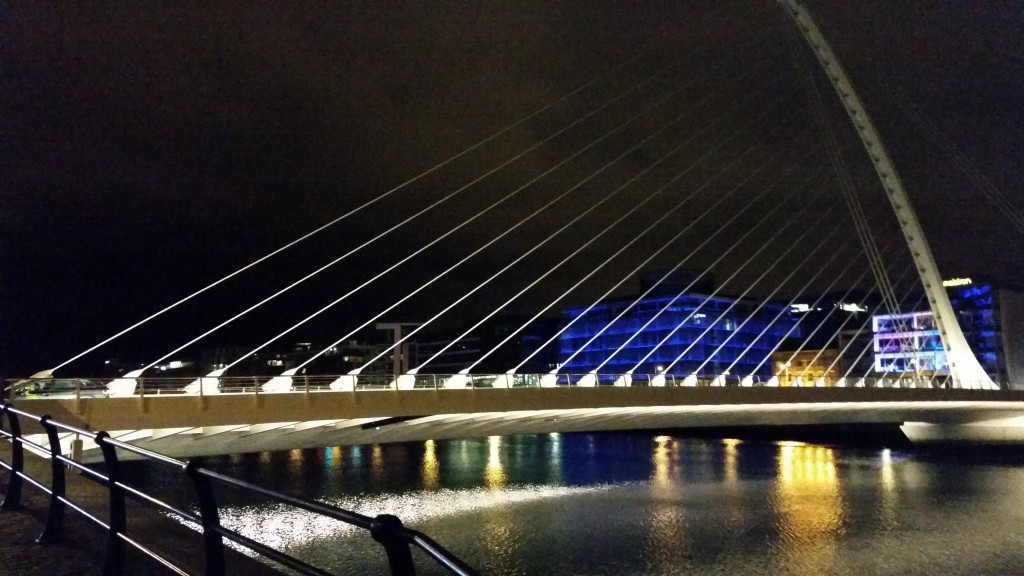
column 992, row 321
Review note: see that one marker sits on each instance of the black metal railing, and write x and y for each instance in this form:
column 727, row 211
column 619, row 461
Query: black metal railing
column 85, row 388
column 396, row 539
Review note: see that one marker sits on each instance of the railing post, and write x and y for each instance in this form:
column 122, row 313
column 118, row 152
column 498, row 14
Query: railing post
column 114, row 564
column 13, row 497
column 55, row 517
column 387, row 530
column 213, row 542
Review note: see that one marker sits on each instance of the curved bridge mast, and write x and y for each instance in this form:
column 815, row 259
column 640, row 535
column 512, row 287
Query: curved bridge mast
column 964, row 367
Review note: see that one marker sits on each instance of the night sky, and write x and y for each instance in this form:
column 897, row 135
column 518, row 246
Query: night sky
column 148, row 150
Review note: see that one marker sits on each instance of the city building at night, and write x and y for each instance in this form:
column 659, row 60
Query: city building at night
column 992, row 320
column 807, row 367
column 678, row 335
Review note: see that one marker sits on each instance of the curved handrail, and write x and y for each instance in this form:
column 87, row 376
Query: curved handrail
column 385, row 529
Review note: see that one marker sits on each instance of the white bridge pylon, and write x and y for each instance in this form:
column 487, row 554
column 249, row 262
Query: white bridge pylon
column 963, row 365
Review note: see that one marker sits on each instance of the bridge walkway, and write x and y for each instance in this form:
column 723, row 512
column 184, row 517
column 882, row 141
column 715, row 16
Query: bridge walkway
column 189, row 426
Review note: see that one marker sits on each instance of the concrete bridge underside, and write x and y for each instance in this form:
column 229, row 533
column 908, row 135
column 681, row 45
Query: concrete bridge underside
column 186, row 426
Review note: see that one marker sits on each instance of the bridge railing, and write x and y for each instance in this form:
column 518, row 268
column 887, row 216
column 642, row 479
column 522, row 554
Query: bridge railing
column 387, row 530
column 160, row 386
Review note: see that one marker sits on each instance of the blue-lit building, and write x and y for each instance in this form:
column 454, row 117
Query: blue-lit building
column 701, row 335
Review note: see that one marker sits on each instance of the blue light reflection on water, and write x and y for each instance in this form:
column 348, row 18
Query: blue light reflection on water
column 643, row 504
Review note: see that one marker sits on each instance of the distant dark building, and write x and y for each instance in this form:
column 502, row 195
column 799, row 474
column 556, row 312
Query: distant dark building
column 338, row 359
column 454, row 354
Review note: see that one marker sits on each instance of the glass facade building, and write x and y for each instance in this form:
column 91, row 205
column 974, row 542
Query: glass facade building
column 677, row 335
column 908, row 342
column 989, row 318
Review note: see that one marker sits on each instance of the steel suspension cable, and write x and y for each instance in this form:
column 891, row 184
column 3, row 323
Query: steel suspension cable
column 506, row 232
column 693, row 222
column 454, row 229
column 524, row 255
column 799, row 61
column 1012, row 212
column 608, row 325
column 502, row 131
column 417, row 214
column 870, row 344
column 789, row 305
column 608, row 228
column 766, row 299
column 767, row 218
column 814, row 305
column 794, row 218
column 608, row 260
column 860, row 330
column 800, row 320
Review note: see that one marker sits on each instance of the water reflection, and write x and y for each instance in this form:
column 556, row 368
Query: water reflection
column 554, row 459
column 626, row 504
column 431, row 467
column 890, row 496
column 494, row 474
column 665, row 541
column 809, row 507
column 378, row 473
column 665, row 450
column 731, row 469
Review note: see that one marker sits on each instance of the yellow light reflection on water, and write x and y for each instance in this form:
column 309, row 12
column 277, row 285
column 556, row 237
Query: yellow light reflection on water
column 377, row 470
column 665, row 452
column 731, row 457
column 809, row 507
column 431, row 470
column 500, row 535
column 665, row 541
column 494, row 474
column 888, row 480
column 890, row 515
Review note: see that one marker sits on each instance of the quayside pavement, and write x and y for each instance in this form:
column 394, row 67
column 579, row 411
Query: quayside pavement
column 81, row 549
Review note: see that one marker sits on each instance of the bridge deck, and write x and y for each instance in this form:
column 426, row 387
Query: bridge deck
column 184, row 426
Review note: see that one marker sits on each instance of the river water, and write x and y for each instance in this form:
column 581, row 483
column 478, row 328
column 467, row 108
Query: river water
column 646, row 504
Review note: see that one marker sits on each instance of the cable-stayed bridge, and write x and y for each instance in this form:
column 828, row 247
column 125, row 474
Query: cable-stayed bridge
column 743, row 190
